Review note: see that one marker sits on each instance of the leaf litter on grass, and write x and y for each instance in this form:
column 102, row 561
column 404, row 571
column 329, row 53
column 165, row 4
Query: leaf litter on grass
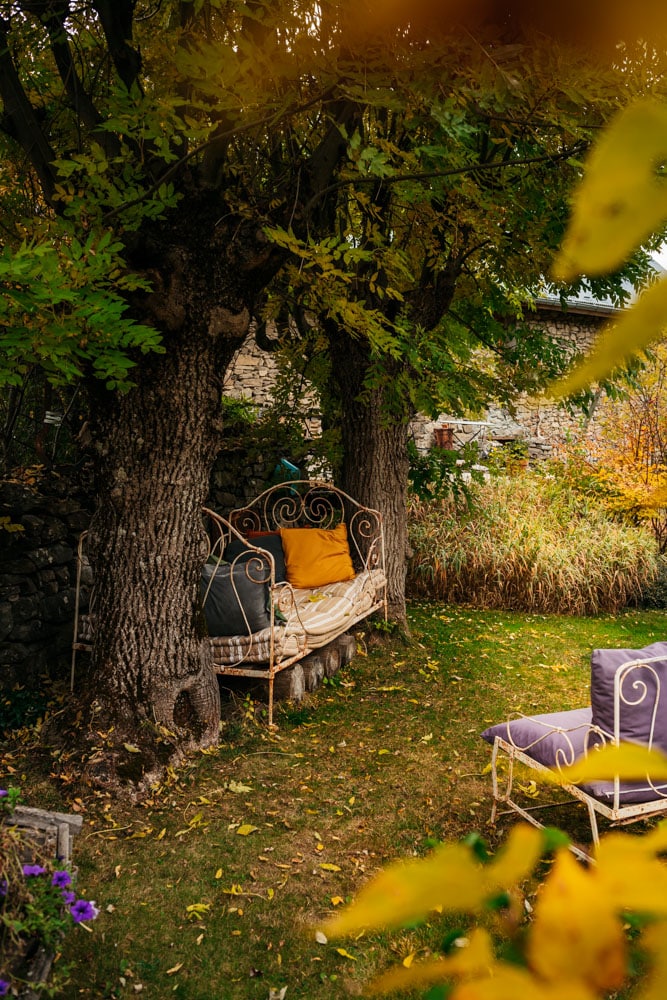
column 266, row 836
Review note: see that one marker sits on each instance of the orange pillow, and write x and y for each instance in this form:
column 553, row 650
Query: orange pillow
column 315, row 557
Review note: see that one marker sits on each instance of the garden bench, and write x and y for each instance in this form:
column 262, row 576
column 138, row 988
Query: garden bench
column 287, row 574
column 628, row 704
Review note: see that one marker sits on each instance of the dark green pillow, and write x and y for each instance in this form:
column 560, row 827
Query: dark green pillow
column 271, row 542
column 236, row 604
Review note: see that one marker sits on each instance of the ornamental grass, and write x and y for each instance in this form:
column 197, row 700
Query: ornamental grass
column 528, row 543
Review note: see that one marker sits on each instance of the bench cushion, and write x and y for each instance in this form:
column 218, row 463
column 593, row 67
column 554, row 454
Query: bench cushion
column 314, row 618
column 638, row 695
column 316, row 557
column 557, row 740
column 234, row 603
column 268, row 540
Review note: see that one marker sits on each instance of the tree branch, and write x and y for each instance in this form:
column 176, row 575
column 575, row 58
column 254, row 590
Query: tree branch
column 80, row 100
column 25, row 127
column 116, row 17
column 470, row 168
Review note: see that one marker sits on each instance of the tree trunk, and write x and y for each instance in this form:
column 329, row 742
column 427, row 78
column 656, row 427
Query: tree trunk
column 150, row 662
column 151, row 669
column 375, row 460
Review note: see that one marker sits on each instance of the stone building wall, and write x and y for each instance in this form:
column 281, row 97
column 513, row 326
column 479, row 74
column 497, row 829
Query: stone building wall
column 543, row 425
column 37, row 580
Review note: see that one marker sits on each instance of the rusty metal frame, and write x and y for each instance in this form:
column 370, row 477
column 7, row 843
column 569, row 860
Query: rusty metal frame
column 312, row 503
column 305, row 503
column 627, row 675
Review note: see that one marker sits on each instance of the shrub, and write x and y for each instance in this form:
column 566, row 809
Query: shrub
column 529, row 543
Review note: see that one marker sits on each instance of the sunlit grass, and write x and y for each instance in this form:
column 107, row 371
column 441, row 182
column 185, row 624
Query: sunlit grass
column 381, row 763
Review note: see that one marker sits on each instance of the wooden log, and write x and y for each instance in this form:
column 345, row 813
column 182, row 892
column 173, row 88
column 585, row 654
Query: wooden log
column 289, row 684
column 313, row 670
column 347, row 647
column 331, row 657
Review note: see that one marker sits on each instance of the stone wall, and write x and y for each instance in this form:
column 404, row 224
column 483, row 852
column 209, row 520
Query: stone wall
column 543, row 425
column 37, row 580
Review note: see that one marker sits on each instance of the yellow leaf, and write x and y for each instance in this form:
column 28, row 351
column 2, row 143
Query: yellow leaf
column 622, row 198
column 337, row 900
column 237, row 787
column 329, row 867
column 450, row 877
column 573, row 907
column 381, row 752
column 639, row 326
column 628, row 761
column 531, row 790
column 162, row 833
column 409, row 959
column 174, row 968
column 218, row 874
column 345, row 954
column 130, row 747
column 247, row 828
column 476, row 959
column 270, row 893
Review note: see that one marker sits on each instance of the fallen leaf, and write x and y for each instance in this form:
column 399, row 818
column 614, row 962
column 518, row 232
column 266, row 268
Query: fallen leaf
column 174, row 969
column 409, row 959
column 337, row 900
column 238, row 788
column 130, row 747
column 321, row 938
column 247, row 828
column 329, row 867
column 345, row 954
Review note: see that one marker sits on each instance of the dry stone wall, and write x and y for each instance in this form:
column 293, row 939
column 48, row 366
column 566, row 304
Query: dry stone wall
column 38, row 537
column 543, row 425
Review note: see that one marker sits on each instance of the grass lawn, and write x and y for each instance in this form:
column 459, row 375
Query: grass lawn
column 209, row 891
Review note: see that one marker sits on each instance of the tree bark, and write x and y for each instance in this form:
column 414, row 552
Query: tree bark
column 152, row 678
column 375, row 459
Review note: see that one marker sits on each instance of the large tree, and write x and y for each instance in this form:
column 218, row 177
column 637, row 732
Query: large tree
column 156, row 144
column 451, row 205
column 161, row 150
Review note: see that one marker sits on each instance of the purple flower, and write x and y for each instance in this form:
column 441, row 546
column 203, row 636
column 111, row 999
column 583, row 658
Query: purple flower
column 4, row 886
column 68, row 897
column 61, row 879
column 29, row 870
column 3, row 795
column 83, row 910
column 4, row 987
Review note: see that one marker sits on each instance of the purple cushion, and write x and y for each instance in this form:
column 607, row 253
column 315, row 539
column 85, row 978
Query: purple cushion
column 538, row 736
column 638, row 694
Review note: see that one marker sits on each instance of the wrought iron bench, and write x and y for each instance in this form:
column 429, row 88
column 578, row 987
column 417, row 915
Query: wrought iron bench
column 289, row 573
column 628, row 704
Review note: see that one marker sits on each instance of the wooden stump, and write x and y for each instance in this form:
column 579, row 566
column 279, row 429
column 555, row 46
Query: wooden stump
column 49, row 835
column 289, row 684
column 347, row 647
column 313, row 669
